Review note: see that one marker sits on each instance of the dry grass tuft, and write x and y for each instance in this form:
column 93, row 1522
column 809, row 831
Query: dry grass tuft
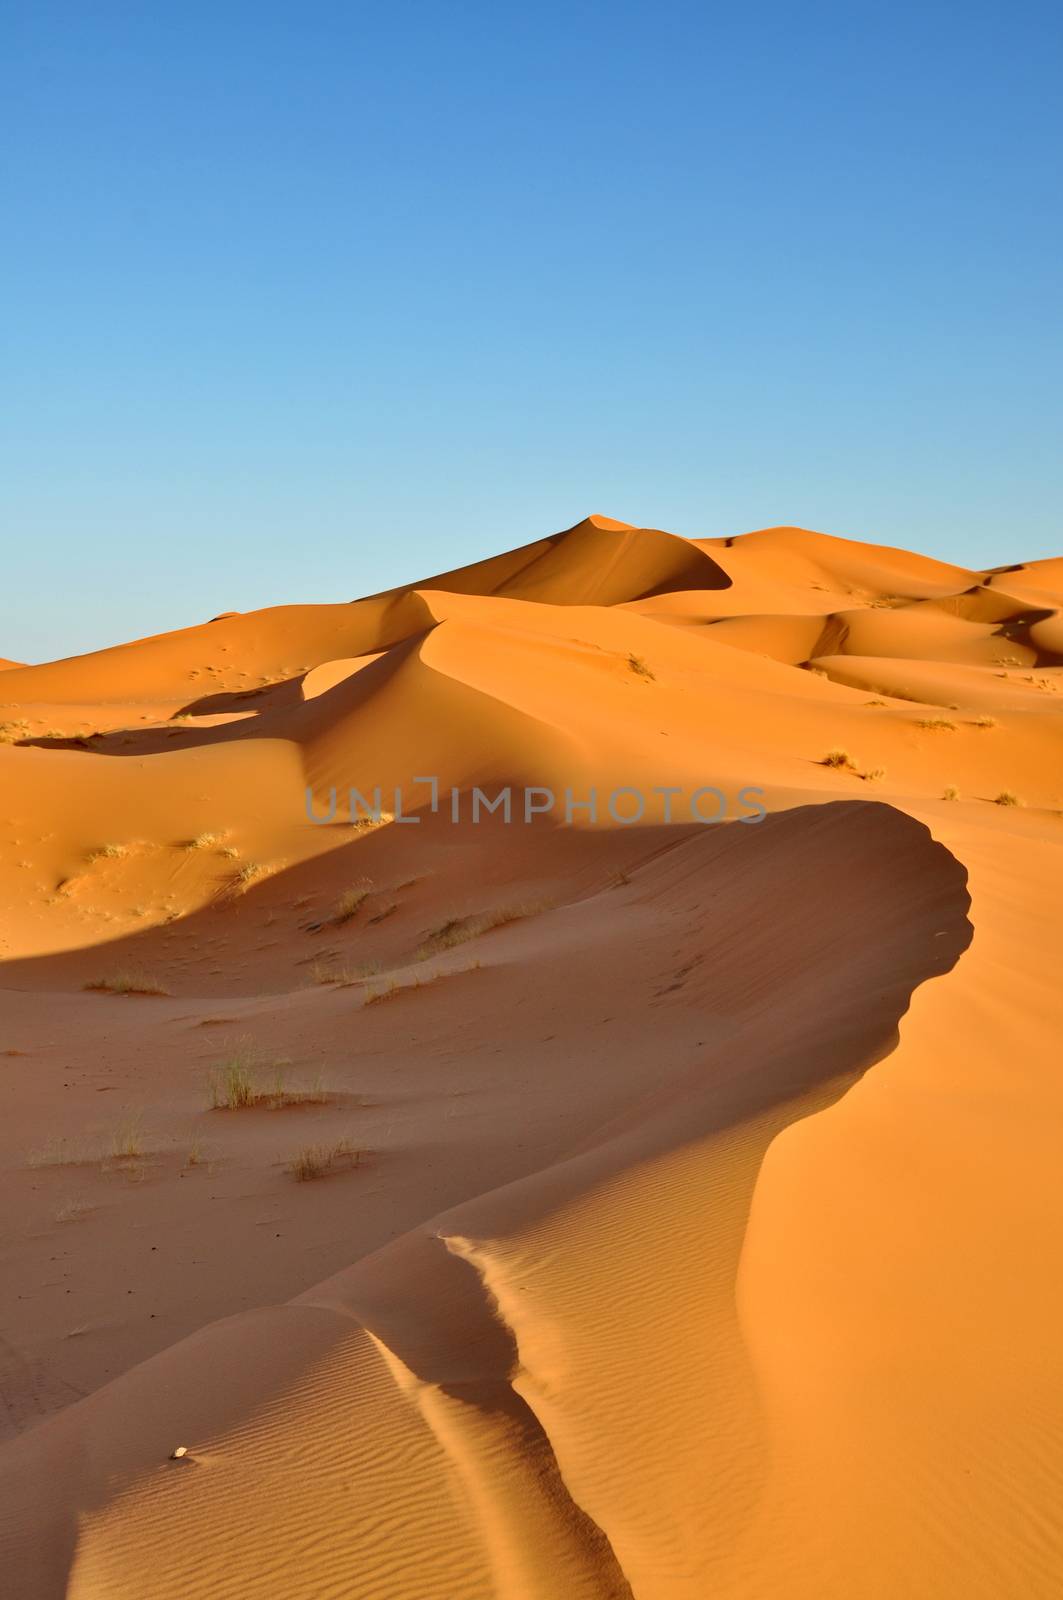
column 232, row 1082
column 243, row 1080
column 108, row 852
column 984, row 722
column 325, row 972
column 381, row 992
column 638, row 666
column 127, row 1142
column 1006, row 797
column 367, row 824
column 951, row 793
column 318, row 1160
column 839, row 758
column 350, row 902
column 203, row 841
column 242, row 879
column 935, row 724
column 458, row 930
column 127, row 982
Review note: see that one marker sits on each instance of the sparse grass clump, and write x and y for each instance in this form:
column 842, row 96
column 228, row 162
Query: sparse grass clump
column 237, row 1083
column 58, row 1152
column 874, row 774
column 318, row 1160
column 951, row 793
column 367, row 824
column 127, row 982
column 383, row 991
column 935, row 724
column 324, row 971
column 457, row 930
column 239, row 881
column 638, row 666
column 839, row 758
column 109, row 852
column 127, row 1140
column 232, row 1081
column 202, row 841
column 1006, row 797
column 984, row 722
column 350, row 902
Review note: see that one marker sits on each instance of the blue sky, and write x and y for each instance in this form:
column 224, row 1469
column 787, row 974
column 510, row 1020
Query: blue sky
column 300, row 301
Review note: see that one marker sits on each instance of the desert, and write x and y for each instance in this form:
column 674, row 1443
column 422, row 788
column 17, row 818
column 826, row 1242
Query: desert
column 404, row 1205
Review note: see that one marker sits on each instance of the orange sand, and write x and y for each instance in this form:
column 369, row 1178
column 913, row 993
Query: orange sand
column 703, row 1235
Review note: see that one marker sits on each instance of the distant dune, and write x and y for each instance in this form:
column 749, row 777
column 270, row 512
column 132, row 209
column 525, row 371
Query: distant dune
column 606, row 1201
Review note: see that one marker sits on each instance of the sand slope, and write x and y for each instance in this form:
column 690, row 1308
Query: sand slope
column 702, row 1238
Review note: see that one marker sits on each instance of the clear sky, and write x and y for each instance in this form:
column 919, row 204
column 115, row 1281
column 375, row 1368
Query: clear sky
column 301, row 300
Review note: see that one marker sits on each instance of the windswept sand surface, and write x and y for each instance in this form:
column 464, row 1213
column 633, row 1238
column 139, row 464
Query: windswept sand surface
column 683, row 1215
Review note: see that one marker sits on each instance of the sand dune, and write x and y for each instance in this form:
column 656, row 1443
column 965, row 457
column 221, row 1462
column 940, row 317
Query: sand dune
column 684, row 1199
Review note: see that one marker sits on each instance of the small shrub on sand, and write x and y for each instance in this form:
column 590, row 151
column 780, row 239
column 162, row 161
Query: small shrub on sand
column 638, row 666
column 132, row 982
column 935, row 724
column 202, row 841
column 839, row 758
column 874, row 774
column 317, row 1160
column 230, row 851
column 951, row 793
column 984, row 722
column 1006, row 798
column 108, row 852
column 350, row 901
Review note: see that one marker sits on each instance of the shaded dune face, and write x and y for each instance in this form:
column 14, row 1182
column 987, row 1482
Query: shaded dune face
column 686, row 1214
column 793, row 1008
